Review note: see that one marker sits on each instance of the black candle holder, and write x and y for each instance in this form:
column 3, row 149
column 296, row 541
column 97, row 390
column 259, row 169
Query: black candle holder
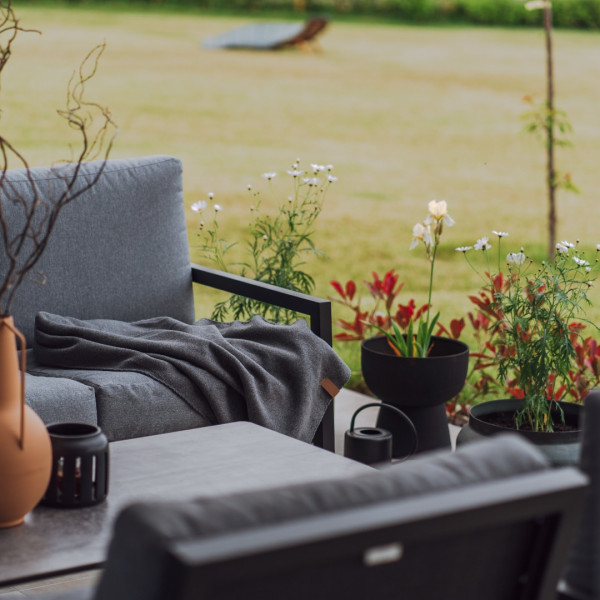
column 79, row 466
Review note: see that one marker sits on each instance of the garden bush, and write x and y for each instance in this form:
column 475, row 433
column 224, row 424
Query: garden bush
column 582, row 14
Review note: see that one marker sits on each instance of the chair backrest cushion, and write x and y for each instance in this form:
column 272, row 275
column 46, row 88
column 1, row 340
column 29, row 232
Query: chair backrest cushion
column 582, row 573
column 119, row 251
column 137, row 558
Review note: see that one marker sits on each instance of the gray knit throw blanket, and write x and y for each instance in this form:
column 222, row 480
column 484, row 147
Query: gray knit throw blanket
column 256, row 371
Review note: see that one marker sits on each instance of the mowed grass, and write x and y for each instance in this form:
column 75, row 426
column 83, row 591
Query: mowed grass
column 406, row 114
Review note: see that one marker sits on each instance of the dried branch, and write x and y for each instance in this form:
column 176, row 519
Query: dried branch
column 24, row 247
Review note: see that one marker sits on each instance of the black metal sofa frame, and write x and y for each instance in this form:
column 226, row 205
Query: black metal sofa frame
column 466, row 544
column 317, row 310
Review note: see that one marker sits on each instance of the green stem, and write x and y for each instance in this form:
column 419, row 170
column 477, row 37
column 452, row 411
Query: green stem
column 484, row 279
column 431, row 283
column 499, row 255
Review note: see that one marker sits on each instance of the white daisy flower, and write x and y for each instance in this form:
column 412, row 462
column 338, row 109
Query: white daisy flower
column 581, row 262
column 312, row 180
column 518, row 258
column 198, row 206
column 482, row 244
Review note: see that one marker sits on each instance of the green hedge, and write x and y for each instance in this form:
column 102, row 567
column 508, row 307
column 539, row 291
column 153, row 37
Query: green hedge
column 567, row 13
column 583, row 14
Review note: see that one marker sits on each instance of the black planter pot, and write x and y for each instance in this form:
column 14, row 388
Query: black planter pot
column 561, row 448
column 420, row 387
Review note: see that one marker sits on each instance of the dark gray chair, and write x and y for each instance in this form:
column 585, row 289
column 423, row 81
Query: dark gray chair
column 581, row 579
column 491, row 521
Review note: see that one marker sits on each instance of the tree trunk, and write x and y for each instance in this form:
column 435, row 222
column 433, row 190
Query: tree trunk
column 550, row 172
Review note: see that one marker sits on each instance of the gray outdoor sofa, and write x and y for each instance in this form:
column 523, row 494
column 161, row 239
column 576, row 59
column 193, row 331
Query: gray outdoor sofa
column 120, row 251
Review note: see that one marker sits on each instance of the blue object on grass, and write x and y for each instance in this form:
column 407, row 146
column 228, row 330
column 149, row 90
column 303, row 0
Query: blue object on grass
column 269, row 36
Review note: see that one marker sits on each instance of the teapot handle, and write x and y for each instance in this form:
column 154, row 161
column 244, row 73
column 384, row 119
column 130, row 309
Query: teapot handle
column 23, row 345
column 410, row 424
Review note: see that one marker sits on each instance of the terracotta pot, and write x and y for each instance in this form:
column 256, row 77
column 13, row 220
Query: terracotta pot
column 25, row 451
column 561, row 448
column 419, row 386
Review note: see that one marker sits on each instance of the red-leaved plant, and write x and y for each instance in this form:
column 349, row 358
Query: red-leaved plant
column 384, row 291
column 487, row 340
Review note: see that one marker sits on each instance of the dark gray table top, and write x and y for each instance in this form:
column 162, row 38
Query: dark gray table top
column 210, row 461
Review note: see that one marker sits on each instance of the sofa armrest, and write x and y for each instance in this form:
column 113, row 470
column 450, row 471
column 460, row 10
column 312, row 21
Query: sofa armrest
column 317, row 309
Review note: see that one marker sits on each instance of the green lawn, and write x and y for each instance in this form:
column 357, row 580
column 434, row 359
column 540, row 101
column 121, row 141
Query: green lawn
column 406, row 114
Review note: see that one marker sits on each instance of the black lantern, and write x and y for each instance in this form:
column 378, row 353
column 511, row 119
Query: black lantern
column 79, row 466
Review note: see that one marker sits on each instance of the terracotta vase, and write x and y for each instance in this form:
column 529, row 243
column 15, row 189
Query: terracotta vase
column 25, row 450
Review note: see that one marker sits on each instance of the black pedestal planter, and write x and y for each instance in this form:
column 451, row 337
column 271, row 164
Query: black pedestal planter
column 420, row 387
column 562, row 448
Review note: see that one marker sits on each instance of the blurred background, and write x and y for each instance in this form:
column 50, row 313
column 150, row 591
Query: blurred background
column 409, row 100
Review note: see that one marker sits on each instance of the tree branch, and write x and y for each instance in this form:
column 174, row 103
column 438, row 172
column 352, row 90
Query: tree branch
column 93, row 122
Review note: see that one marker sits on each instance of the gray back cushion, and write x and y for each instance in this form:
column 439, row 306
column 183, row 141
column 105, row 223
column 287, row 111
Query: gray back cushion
column 119, row 251
column 136, row 562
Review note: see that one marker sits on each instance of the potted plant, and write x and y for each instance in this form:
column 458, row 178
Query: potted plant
column 406, row 365
column 25, row 452
column 537, row 309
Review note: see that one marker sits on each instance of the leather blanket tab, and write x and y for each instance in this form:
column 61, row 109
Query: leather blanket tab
column 330, row 387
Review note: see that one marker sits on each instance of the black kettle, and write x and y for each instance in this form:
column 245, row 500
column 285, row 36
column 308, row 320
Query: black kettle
column 373, row 445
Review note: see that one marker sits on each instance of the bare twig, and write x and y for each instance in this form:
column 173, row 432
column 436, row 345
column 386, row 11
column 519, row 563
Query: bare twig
column 24, row 246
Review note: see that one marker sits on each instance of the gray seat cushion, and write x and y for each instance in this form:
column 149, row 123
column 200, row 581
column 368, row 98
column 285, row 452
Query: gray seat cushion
column 136, row 555
column 61, row 400
column 128, row 404
column 119, row 251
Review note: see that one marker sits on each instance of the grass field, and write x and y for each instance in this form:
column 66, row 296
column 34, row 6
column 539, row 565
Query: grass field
column 406, row 114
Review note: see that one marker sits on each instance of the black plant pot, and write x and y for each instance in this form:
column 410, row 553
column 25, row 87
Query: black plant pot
column 418, row 386
column 562, row 448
